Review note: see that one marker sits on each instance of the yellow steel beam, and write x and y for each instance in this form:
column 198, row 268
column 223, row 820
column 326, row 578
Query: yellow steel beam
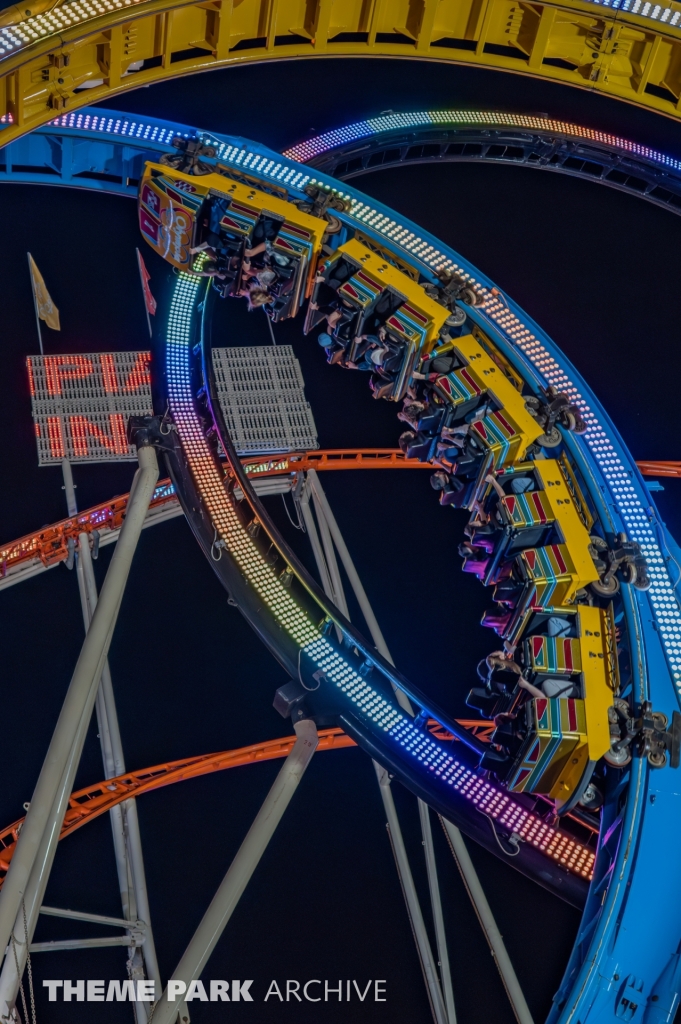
column 49, row 51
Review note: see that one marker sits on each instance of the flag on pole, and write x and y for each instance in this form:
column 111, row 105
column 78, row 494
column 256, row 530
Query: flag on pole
column 44, row 306
column 149, row 300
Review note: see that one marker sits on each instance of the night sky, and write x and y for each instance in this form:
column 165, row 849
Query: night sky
column 596, row 268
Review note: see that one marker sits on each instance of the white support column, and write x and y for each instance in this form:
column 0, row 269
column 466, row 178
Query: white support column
column 239, row 874
column 438, row 916
column 313, row 536
column 124, row 822
column 332, row 582
column 486, row 919
column 338, row 594
column 355, row 582
column 311, row 529
column 15, row 962
column 129, row 819
column 55, row 781
column 116, row 813
column 411, row 899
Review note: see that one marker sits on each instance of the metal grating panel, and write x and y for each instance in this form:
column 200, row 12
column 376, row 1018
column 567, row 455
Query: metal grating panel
column 81, row 404
column 261, row 391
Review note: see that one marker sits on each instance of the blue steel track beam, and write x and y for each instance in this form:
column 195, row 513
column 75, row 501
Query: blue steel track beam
column 618, row 942
column 104, row 150
column 619, row 939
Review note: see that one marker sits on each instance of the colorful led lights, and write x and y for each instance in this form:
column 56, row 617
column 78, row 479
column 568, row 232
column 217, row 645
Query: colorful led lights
column 379, row 712
column 308, row 150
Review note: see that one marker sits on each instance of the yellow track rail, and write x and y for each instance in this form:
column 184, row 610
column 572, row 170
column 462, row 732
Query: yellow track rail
column 122, row 44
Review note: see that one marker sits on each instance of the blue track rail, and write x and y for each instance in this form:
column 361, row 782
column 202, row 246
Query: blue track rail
column 626, row 962
column 105, row 150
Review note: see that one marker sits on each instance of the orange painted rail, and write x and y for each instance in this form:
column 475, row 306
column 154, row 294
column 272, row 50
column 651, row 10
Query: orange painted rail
column 652, row 468
column 51, row 544
column 87, row 804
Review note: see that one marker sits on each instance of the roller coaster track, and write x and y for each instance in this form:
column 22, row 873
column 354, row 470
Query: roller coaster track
column 61, row 56
column 283, row 607
column 106, row 150
column 464, row 136
column 92, row 801
column 50, row 546
column 626, row 956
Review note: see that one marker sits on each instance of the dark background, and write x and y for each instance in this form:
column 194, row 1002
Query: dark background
column 596, row 268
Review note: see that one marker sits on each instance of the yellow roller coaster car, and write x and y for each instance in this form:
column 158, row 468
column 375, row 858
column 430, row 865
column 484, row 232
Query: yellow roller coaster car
column 567, row 735
column 363, row 296
column 181, row 215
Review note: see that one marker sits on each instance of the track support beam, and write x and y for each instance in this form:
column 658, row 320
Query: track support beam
column 438, row 916
column 124, row 821
column 239, row 874
column 489, row 926
column 24, row 887
column 333, row 587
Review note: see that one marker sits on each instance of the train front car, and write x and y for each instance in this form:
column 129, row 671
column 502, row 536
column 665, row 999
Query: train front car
column 237, row 230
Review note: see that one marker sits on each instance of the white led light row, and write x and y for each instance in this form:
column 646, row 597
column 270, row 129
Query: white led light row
column 144, row 130
column 154, row 132
column 41, row 26
column 639, row 520
column 78, row 12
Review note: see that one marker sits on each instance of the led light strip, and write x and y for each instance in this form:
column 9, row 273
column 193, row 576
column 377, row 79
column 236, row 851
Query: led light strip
column 306, row 151
column 432, row 758
column 637, row 519
column 16, row 552
column 147, row 131
column 41, row 26
column 78, row 12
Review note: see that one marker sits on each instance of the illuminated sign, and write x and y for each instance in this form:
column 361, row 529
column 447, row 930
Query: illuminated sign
column 81, row 404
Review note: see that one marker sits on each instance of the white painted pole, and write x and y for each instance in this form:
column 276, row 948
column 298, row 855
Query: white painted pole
column 79, row 701
column 349, row 566
column 241, row 869
column 338, row 593
column 486, row 918
column 313, row 536
column 332, row 582
column 116, row 813
column 411, row 899
column 35, row 306
column 438, row 916
column 130, row 821
column 15, row 962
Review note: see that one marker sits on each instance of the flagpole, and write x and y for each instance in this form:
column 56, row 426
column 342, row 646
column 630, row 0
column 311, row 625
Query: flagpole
column 146, row 308
column 35, row 306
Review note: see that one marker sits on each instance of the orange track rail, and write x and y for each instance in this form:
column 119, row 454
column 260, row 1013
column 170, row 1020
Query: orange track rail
column 652, row 468
column 50, row 545
column 87, row 804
